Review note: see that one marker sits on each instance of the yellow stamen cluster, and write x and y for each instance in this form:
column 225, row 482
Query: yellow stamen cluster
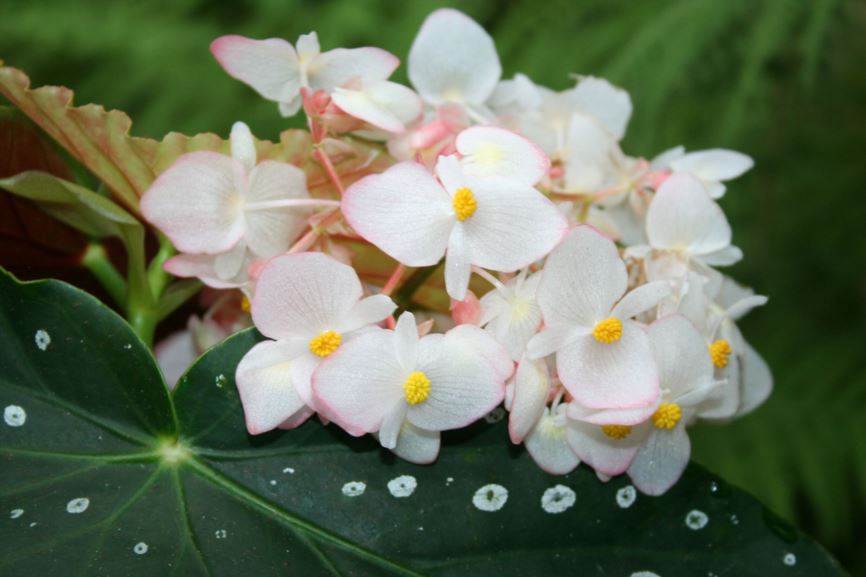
column 464, row 203
column 416, row 388
column 616, row 432
column 607, row 331
column 245, row 304
column 667, row 416
column 720, row 350
column 326, row 343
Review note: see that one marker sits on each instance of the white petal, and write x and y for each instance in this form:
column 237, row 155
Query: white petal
column 392, row 424
column 417, row 445
column 683, row 216
column 515, row 326
column 386, row 105
column 228, row 264
column 604, row 454
column 453, row 59
column 406, row 335
column 464, row 386
column 361, row 383
column 202, row 266
column 458, row 266
column 449, row 171
column 601, row 99
column 714, row 164
column 243, row 146
column 196, row 202
column 681, row 355
column 740, row 308
column 270, row 66
column 492, row 151
column 337, row 67
column 303, row 295
column 552, row 339
column 308, row 46
column 549, row 448
column 618, row 375
column 724, row 257
column 403, row 211
column 302, row 373
column 641, row 299
column 366, row 311
column 531, row 387
column 664, row 159
column 175, row 354
column 757, row 381
column 265, row 384
column 630, row 417
column 513, row 226
column 269, row 232
column 588, row 155
column 661, row 460
column 481, row 343
column 582, row 279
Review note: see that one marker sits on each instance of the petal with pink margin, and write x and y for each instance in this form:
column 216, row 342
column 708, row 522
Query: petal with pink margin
column 492, row 151
column 269, row 232
column 338, row 66
column 604, row 454
column 531, row 388
column 404, row 211
column 264, row 383
column 196, row 204
column 269, row 66
column 661, row 460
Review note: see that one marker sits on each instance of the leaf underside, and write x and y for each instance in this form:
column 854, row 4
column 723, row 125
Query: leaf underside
column 175, row 486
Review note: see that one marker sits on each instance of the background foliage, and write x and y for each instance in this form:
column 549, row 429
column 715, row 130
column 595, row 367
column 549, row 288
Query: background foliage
column 781, row 80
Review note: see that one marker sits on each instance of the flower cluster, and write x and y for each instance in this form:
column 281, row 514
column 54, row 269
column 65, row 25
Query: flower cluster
column 605, row 329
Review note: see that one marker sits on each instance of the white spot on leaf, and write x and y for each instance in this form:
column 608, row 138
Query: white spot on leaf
column 15, row 513
column 495, row 415
column 220, row 534
column 354, row 488
column 626, row 496
column 789, row 559
column 558, row 499
column 140, row 548
column 696, row 520
column 43, row 339
column 78, row 505
column 402, row 486
column 289, row 470
column 490, row 497
column 644, row 574
column 14, row 416
column 220, row 380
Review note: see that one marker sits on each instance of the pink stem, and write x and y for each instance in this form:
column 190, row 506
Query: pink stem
column 393, row 280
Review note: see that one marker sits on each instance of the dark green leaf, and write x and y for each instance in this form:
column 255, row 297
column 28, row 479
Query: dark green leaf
column 195, row 495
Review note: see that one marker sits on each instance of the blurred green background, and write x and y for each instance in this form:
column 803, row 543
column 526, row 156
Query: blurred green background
column 782, row 80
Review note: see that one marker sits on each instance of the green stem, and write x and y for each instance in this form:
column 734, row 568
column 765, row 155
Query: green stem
column 156, row 275
column 143, row 321
column 403, row 297
column 96, row 260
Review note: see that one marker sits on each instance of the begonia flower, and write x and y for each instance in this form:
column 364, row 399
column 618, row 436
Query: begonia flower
column 602, row 357
column 712, row 167
column 310, row 305
column 510, row 312
column 417, row 218
column 407, row 389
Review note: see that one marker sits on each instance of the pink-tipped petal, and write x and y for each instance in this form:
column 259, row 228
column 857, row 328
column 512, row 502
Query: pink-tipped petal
column 202, row 267
column 492, row 151
column 716, row 164
column 265, row 385
column 513, row 226
column 482, row 344
column 582, row 279
column 618, row 375
column 682, row 215
column 629, row 417
column 453, row 59
column 303, row 295
column 297, row 419
column 359, row 385
column 336, row 67
column 531, row 389
column 604, row 454
column 403, row 211
column 269, row 232
column 464, row 386
column 417, row 445
column 269, row 66
column 661, row 460
column 195, row 203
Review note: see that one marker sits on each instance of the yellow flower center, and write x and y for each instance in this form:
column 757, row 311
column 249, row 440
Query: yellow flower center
column 326, row 343
column 464, row 203
column 607, row 331
column 616, row 431
column 245, row 304
column 667, row 416
column 719, row 352
column 416, row 388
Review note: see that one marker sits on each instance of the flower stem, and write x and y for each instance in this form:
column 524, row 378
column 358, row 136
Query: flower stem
column 404, row 296
column 96, row 260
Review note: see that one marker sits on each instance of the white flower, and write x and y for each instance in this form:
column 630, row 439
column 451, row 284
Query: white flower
column 510, row 312
column 408, row 389
column 311, row 305
column 602, row 357
column 222, row 212
column 491, row 222
column 712, row 167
